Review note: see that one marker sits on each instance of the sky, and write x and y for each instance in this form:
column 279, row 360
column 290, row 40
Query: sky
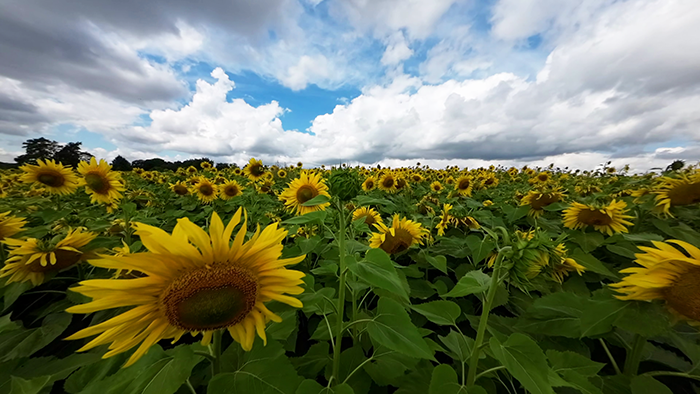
column 471, row 83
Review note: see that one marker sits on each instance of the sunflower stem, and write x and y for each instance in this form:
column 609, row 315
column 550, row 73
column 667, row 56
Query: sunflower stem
column 610, row 356
column 634, row 356
column 341, row 293
column 481, row 330
column 216, row 352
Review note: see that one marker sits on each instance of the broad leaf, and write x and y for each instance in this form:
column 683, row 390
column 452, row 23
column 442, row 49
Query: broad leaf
column 473, row 282
column 440, row 312
column 459, row 344
column 444, row 381
column 392, row 328
column 34, row 386
column 378, row 270
column 647, row 385
column 525, row 361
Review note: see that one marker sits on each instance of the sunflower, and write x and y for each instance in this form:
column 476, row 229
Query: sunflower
column 303, row 189
column 463, row 185
column 416, row 177
column 669, row 271
column 387, row 182
column 230, row 190
column 537, row 200
column 237, row 172
column 102, row 184
column 490, row 181
column 436, row 186
column 191, row 170
column 542, row 177
column 672, row 192
column 369, row 184
column 370, row 215
column 608, row 220
column 205, row 165
column 282, row 173
column 54, row 177
column 401, row 183
column 179, row 188
column 300, row 164
column 487, row 203
column 450, row 180
column 445, row 219
column 402, row 234
column 193, row 282
column 470, row 223
column 565, row 265
column 205, row 190
column 254, row 170
column 10, row 225
column 31, row 259
column 265, row 187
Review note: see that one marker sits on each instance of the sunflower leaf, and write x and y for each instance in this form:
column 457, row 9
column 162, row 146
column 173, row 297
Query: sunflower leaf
column 525, row 361
column 378, row 270
column 444, row 313
column 647, row 385
column 444, row 381
column 33, row 386
column 393, row 329
column 318, row 200
column 473, row 282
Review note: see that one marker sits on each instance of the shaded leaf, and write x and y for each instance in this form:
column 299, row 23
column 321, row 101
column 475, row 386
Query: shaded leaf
column 473, row 282
column 393, row 329
column 33, row 386
column 439, row 312
column 378, row 270
column 647, row 385
column 525, row 361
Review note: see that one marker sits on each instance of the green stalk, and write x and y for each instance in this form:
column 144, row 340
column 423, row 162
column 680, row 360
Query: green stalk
column 215, row 350
column 481, row 330
column 634, row 355
column 341, row 295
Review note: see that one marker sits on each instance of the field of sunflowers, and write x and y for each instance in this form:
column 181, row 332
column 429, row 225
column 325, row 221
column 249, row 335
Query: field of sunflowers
column 285, row 279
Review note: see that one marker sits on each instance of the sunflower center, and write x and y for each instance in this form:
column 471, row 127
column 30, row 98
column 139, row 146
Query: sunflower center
column 594, row 217
column 206, row 190
column 180, row 190
column 369, row 220
column 51, row 179
column 388, row 182
column 685, row 194
column 397, row 243
column 400, row 183
column 463, row 184
column 306, row 193
column 489, row 181
column 256, row 169
column 64, row 259
column 97, row 183
column 543, row 200
column 231, row 191
column 369, row 184
column 684, row 294
column 210, row 298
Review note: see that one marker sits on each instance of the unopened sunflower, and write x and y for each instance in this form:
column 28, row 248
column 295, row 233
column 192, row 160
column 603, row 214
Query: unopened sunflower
column 402, row 234
column 101, row 183
column 54, row 177
column 10, row 225
column 669, row 271
column 303, row 189
column 194, row 283
column 606, row 219
column 30, row 260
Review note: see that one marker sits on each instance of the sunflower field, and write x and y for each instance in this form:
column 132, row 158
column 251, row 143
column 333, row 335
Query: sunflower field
column 281, row 279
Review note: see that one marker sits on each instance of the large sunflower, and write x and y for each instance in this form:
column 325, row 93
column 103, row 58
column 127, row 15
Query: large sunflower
column 463, row 185
column 402, row 234
column 303, row 189
column 10, row 225
column 608, row 220
column 537, row 200
column 369, row 184
column 31, row 259
column 101, row 183
column 54, row 177
column 205, row 190
column 370, row 215
column 672, row 192
column 230, row 190
column 193, row 282
column 254, row 170
column 666, row 273
column 387, row 182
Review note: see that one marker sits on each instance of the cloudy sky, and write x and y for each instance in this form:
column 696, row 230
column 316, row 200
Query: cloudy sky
column 467, row 82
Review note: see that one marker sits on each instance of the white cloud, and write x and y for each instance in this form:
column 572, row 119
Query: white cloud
column 307, row 70
column 397, row 50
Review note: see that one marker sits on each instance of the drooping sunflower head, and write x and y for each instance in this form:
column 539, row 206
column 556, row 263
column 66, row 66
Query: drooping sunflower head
column 463, row 185
column 101, row 183
column 470, row 223
column 669, row 271
column 402, row 234
column 537, row 200
column 254, row 170
column 206, row 191
column 32, row 259
column 370, row 215
column 230, row 190
column 387, row 182
column 179, row 188
column 193, row 282
column 10, row 225
column 303, row 189
column 606, row 219
column 369, row 184
column 54, row 177
column 677, row 191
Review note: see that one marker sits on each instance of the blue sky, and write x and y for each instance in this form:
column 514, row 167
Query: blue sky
column 390, row 81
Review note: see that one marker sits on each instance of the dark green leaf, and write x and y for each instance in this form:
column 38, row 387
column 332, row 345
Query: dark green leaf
column 439, row 262
column 23, row 343
column 592, row 264
column 318, row 200
column 444, row 381
column 647, row 385
column 311, row 217
column 642, row 237
column 569, row 361
column 473, row 282
column 439, row 312
column 33, row 386
column 392, row 328
column 460, row 345
column 309, row 386
column 480, row 248
column 378, row 270
column 315, row 359
column 588, row 241
column 525, row 361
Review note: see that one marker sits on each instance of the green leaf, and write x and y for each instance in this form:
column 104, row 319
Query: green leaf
column 440, row 312
column 592, row 264
column 621, row 250
column 439, row 262
column 265, row 369
column 642, row 237
column 473, row 282
column 444, row 381
column 315, row 359
column 573, row 380
column 599, row 315
column 168, row 374
column 34, row 386
column 647, row 385
column 378, row 270
column 587, row 241
column 88, row 375
column 459, row 344
column 24, row 343
column 311, row 217
column 12, row 291
column 388, row 367
column 569, row 361
column 514, row 214
column 525, row 361
column 418, row 380
column 57, row 369
column 479, row 248
column 309, row 386
column 318, row 200
column 392, row 328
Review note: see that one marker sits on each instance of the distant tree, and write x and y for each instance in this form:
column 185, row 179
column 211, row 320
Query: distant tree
column 121, row 164
column 70, row 154
column 38, row 148
column 221, row 166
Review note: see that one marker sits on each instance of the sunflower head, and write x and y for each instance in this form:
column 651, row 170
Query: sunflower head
column 606, row 219
column 230, row 190
column 464, row 186
column 206, row 191
column 387, row 182
column 254, row 170
column 369, row 184
column 101, row 183
column 436, row 186
column 54, row 177
column 402, row 234
column 370, row 215
column 303, row 189
column 282, row 174
column 10, row 225
column 193, row 282
column 537, row 200
column 205, row 165
column 179, row 188
column 677, row 191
